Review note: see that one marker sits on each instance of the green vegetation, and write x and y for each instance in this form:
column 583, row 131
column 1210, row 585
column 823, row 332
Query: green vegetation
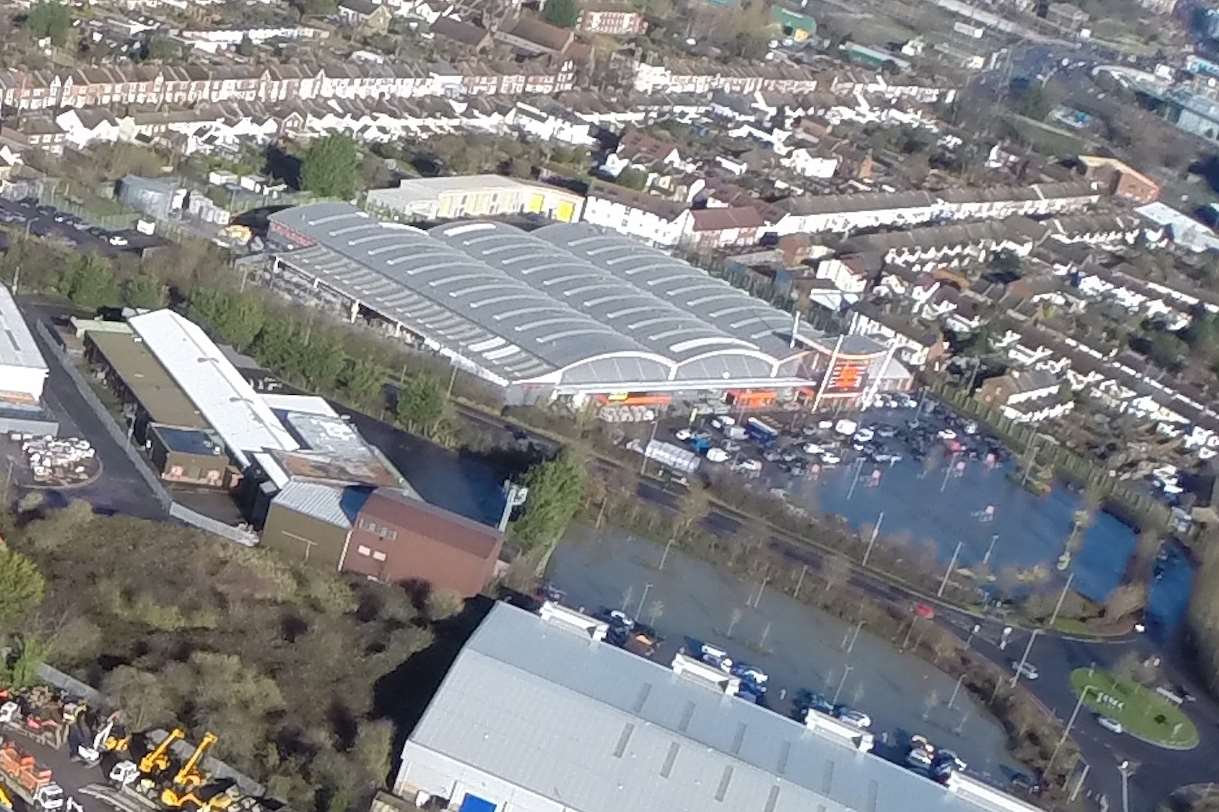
column 563, row 13
column 556, row 492
column 89, row 282
column 420, row 404
column 50, row 19
column 298, row 671
column 1204, row 610
column 330, row 167
column 1142, row 712
column 632, row 178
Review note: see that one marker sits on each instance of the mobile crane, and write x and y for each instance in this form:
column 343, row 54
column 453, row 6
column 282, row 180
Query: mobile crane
column 156, row 760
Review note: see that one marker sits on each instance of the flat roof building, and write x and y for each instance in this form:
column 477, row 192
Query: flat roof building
column 22, row 370
column 565, row 310
column 445, row 198
column 540, row 715
column 212, row 384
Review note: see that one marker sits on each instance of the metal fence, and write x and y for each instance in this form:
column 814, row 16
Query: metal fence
column 48, row 196
column 115, row 431
column 207, row 523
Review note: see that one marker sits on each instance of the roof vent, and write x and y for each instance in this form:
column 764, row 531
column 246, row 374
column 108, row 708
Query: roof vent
column 561, row 615
column 686, row 666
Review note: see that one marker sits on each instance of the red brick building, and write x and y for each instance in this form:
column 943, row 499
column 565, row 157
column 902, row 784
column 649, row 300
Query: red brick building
column 397, row 538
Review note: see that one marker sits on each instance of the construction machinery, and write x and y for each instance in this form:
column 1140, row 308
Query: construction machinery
column 189, row 778
column 214, row 797
column 42, row 713
column 156, row 760
column 110, row 737
column 29, row 780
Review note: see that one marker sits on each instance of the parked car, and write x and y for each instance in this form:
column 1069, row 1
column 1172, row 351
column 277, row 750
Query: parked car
column 750, row 466
column 1026, row 669
column 811, row 700
column 852, row 716
column 683, row 434
column 717, row 455
column 1112, row 725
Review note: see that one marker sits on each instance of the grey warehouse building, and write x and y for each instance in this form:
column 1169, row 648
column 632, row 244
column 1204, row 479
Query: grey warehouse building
column 567, row 309
column 538, row 714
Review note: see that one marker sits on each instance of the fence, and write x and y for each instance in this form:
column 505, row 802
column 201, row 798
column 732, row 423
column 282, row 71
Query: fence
column 107, row 420
column 1129, row 503
column 196, row 519
column 112, row 222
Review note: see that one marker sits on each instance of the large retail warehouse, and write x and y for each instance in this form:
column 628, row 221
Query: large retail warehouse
column 566, row 310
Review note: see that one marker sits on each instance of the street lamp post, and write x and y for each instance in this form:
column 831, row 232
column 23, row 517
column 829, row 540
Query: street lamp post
column 642, row 599
column 846, row 670
column 1070, row 722
column 1124, row 769
column 1024, row 658
column 875, row 532
column 948, row 572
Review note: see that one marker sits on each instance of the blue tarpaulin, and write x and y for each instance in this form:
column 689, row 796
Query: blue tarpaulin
column 472, row 803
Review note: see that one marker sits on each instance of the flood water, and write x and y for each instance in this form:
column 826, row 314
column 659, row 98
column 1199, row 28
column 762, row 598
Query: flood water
column 798, row 646
column 939, row 502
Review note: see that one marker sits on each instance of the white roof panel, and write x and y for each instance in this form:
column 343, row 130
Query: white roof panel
column 227, row 402
column 17, row 348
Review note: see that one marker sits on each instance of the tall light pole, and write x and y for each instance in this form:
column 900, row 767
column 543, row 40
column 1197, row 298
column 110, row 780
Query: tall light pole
column 990, row 548
column 642, row 598
column 1125, row 769
column 643, row 465
column 846, row 670
column 1062, row 596
column 1024, row 658
column 875, row 532
column 1067, row 732
column 939, row 593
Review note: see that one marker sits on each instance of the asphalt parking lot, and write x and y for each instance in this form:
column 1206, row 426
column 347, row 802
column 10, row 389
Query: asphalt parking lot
column 119, row 488
column 50, row 223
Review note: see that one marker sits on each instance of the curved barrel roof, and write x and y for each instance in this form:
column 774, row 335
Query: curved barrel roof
column 565, row 303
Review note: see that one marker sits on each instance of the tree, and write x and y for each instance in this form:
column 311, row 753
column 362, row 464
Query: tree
column 234, row 317
column 692, row 506
column 420, row 403
column 442, row 604
column 20, row 669
column 246, row 47
column 1166, row 350
column 50, row 19
column 21, row 587
column 556, row 491
column 633, row 178
column 362, row 381
column 144, row 291
column 141, row 695
column 89, row 283
column 331, row 167
column 563, row 13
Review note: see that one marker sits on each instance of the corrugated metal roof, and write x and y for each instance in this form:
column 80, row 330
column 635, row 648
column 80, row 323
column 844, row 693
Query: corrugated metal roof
column 17, row 346
column 566, row 303
column 224, row 398
column 597, row 729
column 327, row 503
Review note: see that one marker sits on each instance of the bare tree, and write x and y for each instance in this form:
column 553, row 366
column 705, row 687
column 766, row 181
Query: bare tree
column 835, row 571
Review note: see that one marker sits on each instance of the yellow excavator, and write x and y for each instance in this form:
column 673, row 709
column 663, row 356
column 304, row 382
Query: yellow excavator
column 190, row 777
column 156, row 760
column 6, row 801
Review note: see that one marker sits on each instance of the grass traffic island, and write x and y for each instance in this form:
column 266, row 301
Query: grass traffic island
column 1142, row 712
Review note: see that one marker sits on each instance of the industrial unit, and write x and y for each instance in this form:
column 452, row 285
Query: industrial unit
column 446, row 198
column 538, row 714
column 22, row 373
column 567, row 310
